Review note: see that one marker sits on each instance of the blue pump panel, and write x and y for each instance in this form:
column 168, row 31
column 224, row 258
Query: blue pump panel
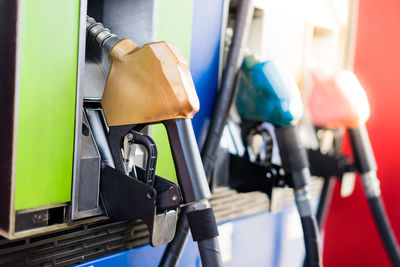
column 268, row 92
column 204, row 60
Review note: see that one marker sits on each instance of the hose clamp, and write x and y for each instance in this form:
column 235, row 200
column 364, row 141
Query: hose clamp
column 98, row 32
column 371, row 184
column 198, row 205
column 303, row 202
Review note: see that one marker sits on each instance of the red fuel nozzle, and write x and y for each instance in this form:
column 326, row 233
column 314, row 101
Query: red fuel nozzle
column 338, row 101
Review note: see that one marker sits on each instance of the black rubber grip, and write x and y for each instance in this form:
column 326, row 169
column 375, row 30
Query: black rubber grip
column 293, row 154
column 202, row 224
column 385, row 230
column 313, row 252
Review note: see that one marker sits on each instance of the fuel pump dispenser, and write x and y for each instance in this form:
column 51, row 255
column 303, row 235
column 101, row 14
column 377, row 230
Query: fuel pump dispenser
column 148, row 85
column 267, row 93
column 341, row 103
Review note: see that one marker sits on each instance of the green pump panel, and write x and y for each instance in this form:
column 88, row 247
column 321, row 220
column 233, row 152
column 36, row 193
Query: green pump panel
column 46, row 102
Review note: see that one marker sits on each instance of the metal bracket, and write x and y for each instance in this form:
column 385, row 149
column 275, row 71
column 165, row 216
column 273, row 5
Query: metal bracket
column 85, row 188
column 125, row 198
column 327, row 166
column 247, row 176
column 144, row 195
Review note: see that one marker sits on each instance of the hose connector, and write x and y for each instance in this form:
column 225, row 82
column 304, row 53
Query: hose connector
column 100, row 34
column 303, row 202
column 198, row 205
column 371, row 184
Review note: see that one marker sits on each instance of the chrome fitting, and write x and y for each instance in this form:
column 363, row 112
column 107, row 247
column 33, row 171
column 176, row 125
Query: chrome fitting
column 100, row 34
column 371, row 184
column 303, row 202
column 198, row 205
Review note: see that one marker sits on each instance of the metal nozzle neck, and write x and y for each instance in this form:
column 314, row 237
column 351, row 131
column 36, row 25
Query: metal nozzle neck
column 100, row 34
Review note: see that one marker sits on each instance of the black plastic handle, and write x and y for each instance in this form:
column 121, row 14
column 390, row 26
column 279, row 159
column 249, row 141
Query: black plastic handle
column 189, row 167
column 362, row 151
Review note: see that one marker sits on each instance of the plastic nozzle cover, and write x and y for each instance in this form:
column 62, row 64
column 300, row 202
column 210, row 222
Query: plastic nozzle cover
column 338, row 102
column 148, row 84
column 268, row 92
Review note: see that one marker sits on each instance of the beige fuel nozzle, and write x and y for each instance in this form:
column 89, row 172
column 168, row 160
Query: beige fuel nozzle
column 146, row 84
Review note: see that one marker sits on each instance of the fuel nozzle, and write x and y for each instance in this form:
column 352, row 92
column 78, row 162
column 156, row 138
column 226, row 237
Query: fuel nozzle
column 152, row 84
column 267, row 92
column 156, row 72
column 338, row 101
column 341, row 102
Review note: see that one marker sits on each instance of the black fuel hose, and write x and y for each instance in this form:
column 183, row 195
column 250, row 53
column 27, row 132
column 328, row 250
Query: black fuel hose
column 243, row 19
column 174, row 249
column 323, row 204
column 226, row 93
column 365, row 163
column 385, row 230
column 210, row 253
column 173, row 252
column 310, row 229
column 324, row 200
column 295, row 163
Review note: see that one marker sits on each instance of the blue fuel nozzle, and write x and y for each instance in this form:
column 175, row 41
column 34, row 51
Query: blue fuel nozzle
column 268, row 92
